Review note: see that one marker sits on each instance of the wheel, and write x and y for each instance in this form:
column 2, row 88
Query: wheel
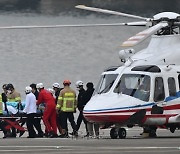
column 114, row 133
column 152, row 133
column 122, row 133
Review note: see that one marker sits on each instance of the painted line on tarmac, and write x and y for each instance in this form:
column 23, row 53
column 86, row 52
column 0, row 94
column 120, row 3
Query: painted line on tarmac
column 107, row 147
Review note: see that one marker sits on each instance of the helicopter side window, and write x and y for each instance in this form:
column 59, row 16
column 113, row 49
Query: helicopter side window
column 172, row 86
column 159, row 93
column 135, row 85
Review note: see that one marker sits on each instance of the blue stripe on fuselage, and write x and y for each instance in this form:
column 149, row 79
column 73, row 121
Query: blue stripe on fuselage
column 167, row 99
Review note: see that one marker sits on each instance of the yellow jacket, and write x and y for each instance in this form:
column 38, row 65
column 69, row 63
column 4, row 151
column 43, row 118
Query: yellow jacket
column 67, row 100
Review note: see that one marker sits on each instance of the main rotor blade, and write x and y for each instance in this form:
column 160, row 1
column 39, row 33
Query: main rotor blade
column 60, row 26
column 109, row 12
column 141, row 23
column 132, row 41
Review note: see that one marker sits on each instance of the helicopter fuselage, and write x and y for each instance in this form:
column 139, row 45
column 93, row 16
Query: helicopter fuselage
column 145, row 90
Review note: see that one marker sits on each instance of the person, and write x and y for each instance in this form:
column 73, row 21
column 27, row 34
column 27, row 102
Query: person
column 3, row 99
column 30, row 109
column 49, row 115
column 90, row 126
column 57, row 89
column 34, row 90
column 80, row 105
column 13, row 96
column 67, row 106
column 37, row 121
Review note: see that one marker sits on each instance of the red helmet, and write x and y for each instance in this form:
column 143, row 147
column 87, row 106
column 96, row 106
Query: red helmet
column 68, row 82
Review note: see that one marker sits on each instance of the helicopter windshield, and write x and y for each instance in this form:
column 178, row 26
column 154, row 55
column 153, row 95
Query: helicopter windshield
column 106, row 83
column 135, row 85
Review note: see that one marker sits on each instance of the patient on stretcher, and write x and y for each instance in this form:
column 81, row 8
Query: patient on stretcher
column 13, row 108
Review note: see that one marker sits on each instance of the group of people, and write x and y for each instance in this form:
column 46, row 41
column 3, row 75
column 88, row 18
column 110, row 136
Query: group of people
column 58, row 105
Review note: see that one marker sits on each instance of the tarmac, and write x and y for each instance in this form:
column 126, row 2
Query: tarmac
column 165, row 143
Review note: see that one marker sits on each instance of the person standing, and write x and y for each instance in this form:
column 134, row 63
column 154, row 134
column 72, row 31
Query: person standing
column 80, row 105
column 30, row 109
column 57, row 89
column 90, row 126
column 67, row 106
column 49, row 115
column 3, row 99
column 13, row 96
column 37, row 121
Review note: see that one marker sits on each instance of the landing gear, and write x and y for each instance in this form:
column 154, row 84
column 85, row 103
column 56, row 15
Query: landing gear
column 118, row 132
column 122, row 133
column 151, row 131
column 114, row 133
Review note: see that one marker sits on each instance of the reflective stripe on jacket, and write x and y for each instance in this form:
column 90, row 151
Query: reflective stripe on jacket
column 14, row 97
column 67, row 100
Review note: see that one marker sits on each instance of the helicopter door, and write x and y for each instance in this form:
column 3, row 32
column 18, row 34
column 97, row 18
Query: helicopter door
column 172, row 87
column 159, row 96
column 159, row 93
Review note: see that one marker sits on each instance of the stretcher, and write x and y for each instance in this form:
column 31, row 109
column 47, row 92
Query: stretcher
column 14, row 117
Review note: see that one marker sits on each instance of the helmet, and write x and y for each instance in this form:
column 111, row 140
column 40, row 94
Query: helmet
column 28, row 89
column 9, row 86
column 66, row 82
column 39, row 86
column 56, row 85
column 79, row 83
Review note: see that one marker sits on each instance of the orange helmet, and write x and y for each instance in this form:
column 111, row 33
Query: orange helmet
column 68, row 82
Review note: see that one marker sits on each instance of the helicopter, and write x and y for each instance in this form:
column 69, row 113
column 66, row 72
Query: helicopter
column 145, row 90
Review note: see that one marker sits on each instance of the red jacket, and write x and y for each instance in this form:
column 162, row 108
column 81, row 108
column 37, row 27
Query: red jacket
column 46, row 97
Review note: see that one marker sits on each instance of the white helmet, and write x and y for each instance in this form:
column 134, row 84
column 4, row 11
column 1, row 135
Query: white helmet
column 56, row 85
column 28, row 89
column 39, row 86
column 51, row 90
column 79, row 83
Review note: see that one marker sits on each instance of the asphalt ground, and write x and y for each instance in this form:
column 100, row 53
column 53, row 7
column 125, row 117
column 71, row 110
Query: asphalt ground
column 165, row 143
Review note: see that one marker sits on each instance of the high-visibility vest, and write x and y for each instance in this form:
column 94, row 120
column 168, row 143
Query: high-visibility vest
column 14, row 97
column 68, row 102
column 1, row 105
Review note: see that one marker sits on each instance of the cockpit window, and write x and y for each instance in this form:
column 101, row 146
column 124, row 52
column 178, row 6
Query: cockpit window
column 106, row 83
column 135, row 85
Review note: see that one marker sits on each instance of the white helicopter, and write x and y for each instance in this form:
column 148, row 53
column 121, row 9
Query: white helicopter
column 145, row 90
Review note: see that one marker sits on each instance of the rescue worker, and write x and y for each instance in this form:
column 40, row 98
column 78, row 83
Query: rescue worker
column 80, row 105
column 67, row 106
column 57, row 89
column 49, row 115
column 3, row 99
column 2, row 123
column 30, row 109
column 13, row 96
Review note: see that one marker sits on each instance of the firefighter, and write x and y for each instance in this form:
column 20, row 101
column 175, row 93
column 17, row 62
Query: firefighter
column 49, row 115
column 13, row 96
column 67, row 106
